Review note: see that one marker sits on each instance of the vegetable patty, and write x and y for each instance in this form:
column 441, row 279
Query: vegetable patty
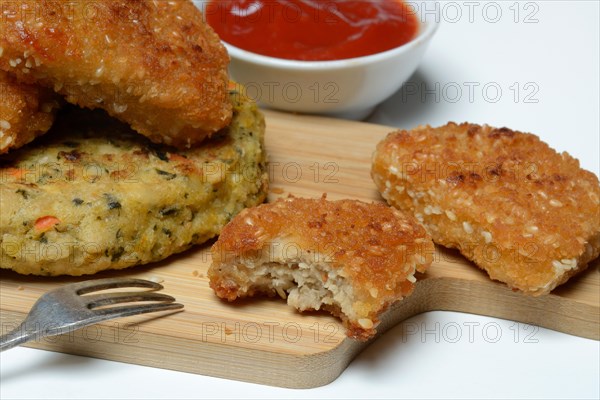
column 94, row 195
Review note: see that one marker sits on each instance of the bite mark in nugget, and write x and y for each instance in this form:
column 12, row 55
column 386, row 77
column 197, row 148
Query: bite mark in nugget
column 152, row 64
column 350, row 258
column 524, row 213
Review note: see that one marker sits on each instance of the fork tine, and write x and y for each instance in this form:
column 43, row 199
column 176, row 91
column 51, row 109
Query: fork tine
column 113, row 283
column 125, row 311
column 65, row 308
column 99, row 300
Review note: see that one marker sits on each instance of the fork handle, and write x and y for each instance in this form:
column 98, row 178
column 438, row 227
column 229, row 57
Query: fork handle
column 16, row 337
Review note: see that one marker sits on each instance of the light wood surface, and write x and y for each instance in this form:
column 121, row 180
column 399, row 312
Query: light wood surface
column 264, row 340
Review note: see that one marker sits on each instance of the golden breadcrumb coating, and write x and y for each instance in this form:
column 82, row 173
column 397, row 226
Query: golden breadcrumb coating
column 26, row 111
column 348, row 257
column 524, row 213
column 153, row 64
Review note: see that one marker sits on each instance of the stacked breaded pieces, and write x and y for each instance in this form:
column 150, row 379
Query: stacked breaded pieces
column 526, row 214
column 93, row 194
column 155, row 65
column 26, row 112
column 350, row 258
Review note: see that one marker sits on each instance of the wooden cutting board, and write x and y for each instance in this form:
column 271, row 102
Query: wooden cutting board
column 264, row 340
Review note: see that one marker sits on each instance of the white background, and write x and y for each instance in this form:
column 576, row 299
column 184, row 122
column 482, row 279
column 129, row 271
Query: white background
column 434, row 355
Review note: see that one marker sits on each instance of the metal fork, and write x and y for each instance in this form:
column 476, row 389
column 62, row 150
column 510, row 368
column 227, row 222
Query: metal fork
column 66, row 308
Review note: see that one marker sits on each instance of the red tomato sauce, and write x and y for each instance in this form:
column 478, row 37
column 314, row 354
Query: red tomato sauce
column 313, row 30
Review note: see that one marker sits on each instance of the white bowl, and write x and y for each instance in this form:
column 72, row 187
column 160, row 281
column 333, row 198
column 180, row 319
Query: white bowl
column 348, row 88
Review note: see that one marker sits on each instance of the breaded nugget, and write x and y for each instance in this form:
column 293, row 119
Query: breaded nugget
column 26, row 111
column 524, row 213
column 153, row 64
column 350, row 258
column 92, row 194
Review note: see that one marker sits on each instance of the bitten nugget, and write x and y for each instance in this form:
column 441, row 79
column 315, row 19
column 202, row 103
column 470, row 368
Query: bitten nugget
column 152, row 64
column 524, row 213
column 350, row 258
column 26, row 112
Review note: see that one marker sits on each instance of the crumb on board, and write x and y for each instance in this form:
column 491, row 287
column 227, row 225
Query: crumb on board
column 20, row 287
column 277, row 190
column 195, row 273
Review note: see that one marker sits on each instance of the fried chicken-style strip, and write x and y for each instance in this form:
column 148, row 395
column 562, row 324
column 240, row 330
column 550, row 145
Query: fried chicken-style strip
column 26, row 112
column 153, row 64
column 526, row 214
